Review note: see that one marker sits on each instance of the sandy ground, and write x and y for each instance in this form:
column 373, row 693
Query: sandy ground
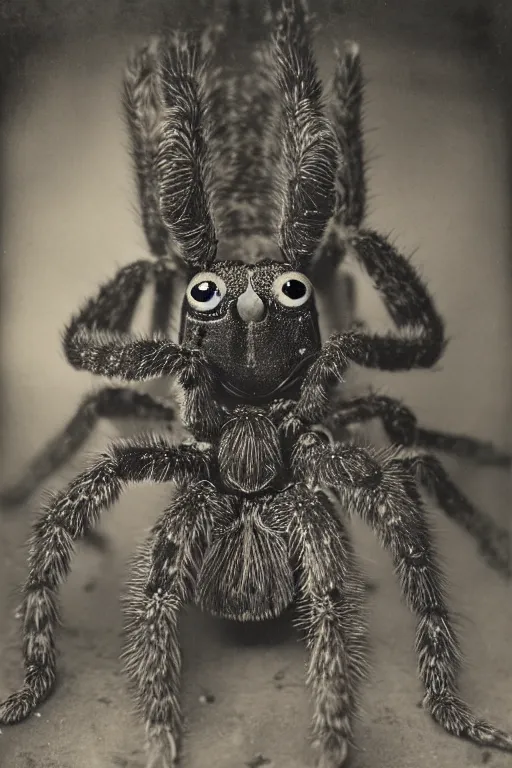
column 436, row 145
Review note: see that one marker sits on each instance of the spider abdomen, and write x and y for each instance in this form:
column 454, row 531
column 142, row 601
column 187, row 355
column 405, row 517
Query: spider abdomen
column 249, row 451
column 246, row 574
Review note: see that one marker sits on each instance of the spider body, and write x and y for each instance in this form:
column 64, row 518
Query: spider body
column 263, row 491
column 241, row 588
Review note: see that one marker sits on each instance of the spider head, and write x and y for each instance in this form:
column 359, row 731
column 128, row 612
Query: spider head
column 257, row 325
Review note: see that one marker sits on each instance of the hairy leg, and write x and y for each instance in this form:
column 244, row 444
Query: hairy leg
column 108, row 403
column 400, row 425
column 330, row 610
column 113, row 308
column 405, row 296
column 163, row 582
column 347, row 119
column 492, row 539
column 69, row 516
column 419, row 343
column 143, row 109
column 350, row 183
column 309, row 152
column 419, row 347
column 184, row 163
column 389, row 502
column 142, row 359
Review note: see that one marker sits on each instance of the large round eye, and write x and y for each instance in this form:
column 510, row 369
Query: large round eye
column 205, row 291
column 292, row 289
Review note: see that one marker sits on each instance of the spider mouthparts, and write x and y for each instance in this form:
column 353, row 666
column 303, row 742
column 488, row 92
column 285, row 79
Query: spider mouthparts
column 252, row 395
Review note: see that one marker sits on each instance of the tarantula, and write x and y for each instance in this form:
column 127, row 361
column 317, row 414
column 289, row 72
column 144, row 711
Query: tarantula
column 244, row 137
column 257, row 521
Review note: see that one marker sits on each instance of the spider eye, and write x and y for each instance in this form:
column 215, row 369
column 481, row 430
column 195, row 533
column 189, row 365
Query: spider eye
column 292, row 289
column 205, row 291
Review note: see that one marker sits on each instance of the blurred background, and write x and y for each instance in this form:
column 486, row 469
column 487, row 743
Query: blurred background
column 438, row 126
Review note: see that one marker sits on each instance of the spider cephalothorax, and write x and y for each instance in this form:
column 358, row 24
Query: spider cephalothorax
column 258, row 517
column 258, row 326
